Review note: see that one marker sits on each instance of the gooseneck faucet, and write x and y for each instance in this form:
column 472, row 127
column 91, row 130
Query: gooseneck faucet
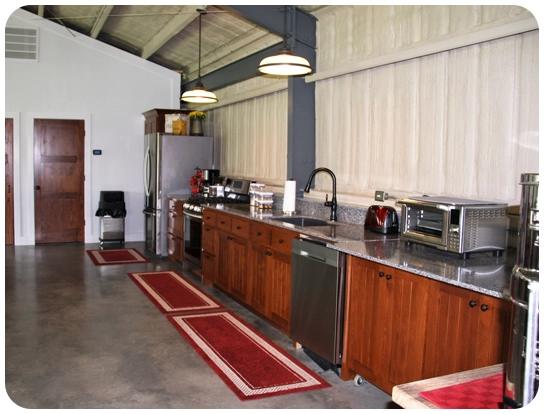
column 332, row 204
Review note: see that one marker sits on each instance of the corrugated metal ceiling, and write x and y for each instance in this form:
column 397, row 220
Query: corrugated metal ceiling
column 167, row 34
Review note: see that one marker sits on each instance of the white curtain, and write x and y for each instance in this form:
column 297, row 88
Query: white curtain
column 251, row 138
column 461, row 123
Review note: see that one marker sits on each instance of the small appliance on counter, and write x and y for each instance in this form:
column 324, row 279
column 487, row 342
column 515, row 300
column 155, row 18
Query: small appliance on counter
column 209, row 178
column 382, row 219
column 454, row 224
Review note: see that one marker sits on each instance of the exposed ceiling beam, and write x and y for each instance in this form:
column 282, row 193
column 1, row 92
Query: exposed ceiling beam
column 238, row 71
column 172, row 28
column 271, row 19
column 99, row 23
column 231, row 52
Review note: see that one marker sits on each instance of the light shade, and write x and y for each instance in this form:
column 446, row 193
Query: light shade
column 285, row 63
column 199, row 95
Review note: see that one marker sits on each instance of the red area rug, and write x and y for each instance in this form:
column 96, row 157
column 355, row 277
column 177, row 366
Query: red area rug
column 478, row 394
column 171, row 292
column 246, row 361
column 116, row 256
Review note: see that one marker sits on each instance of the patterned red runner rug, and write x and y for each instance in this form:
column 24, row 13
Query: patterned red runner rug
column 246, row 361
column 478, row 394
column 171, row 292
column 116, row 256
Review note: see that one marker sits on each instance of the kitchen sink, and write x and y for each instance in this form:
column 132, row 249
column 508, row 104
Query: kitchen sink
column 303, row 221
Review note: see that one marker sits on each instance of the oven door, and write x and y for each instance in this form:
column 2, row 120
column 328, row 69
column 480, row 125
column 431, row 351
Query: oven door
column 192, row 237
column 426, row 224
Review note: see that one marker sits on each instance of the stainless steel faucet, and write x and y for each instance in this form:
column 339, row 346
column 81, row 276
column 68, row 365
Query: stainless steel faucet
column 332, row 204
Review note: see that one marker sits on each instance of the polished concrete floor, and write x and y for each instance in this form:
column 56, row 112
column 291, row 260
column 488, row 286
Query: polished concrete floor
column 84, row 336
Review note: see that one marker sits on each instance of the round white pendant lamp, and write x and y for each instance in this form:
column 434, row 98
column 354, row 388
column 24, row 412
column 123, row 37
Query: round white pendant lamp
column 285, row 63
column 199, row 94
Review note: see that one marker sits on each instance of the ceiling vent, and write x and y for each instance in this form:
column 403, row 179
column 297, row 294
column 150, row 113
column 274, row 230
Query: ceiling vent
column 21, row 43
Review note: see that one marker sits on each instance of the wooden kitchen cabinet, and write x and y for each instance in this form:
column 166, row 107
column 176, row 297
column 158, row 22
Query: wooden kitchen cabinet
column 155, row 119
column 209, row 247
column 175, row 230
column 270, row 274
column 232, row 255
column 251, row 261
column 401, row 327
column 466, row 330
column 385, row 324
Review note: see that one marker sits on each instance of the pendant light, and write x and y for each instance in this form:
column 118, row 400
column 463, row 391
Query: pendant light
column 199, row 94
column 285, row 63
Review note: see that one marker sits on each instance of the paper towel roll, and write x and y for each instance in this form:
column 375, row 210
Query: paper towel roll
column 289, row 196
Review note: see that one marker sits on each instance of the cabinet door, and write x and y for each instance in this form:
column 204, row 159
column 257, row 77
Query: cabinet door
column 257, row 274
column 209, row 268
column 363, row 334
column 237, row 267
column 467, row 330
column 386, row 320
column 404, row 320
column 279, row 288
column 209, row 239
column 171, row 246
column 222, row 276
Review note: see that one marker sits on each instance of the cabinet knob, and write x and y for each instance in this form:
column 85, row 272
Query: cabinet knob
column 238, row 227
column 381, row 274
column 388, row 277
column 484, row 307
column 280, row 241
column 222, row 222
column 258, row 233
column 472, row 303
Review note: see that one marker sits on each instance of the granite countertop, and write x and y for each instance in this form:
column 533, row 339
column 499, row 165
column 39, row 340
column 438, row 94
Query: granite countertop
column 482, row 272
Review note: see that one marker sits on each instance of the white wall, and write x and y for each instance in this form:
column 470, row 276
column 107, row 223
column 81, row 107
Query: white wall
column 77, row 77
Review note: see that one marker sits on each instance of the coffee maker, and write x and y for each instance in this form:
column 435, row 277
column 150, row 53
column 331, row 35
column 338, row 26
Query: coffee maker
column 209, row 178
column 522, row 368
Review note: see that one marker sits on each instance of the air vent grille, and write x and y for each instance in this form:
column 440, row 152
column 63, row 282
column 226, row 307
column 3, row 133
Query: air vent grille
column 21, row 43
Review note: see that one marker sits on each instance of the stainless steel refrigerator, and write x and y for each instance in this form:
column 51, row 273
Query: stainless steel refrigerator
column 169, row 163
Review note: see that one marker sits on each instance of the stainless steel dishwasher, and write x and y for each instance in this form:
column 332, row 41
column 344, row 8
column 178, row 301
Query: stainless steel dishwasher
column 317, row 300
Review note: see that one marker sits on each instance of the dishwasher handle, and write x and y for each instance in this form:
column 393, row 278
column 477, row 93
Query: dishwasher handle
column 311, row 256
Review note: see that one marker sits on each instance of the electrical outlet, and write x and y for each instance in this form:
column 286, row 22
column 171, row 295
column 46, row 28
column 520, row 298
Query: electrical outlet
column 381, row 196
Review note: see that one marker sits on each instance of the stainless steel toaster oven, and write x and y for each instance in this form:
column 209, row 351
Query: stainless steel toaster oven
column 455, row 224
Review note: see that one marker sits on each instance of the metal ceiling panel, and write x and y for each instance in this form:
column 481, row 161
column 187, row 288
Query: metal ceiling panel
column 168, row 34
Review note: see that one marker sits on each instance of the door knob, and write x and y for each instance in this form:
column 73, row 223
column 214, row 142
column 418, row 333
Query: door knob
column 38, row 187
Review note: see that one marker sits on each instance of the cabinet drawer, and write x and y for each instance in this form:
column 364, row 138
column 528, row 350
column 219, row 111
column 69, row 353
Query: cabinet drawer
column 172, row 204
column 209, row 217
column 260, row 233
column 240, row 227
column 223, row 221
column 281, row 240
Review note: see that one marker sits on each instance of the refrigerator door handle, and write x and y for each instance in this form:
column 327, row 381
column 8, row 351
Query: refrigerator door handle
column 146, row 171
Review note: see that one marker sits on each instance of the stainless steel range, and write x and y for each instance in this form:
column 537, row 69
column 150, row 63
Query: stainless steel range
column 236, row 192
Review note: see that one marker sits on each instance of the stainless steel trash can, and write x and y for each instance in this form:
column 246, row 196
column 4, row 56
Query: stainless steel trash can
column 112, row 229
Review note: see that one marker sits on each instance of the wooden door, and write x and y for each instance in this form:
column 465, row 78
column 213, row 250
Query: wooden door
column 10, row 233
column 59, row 180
